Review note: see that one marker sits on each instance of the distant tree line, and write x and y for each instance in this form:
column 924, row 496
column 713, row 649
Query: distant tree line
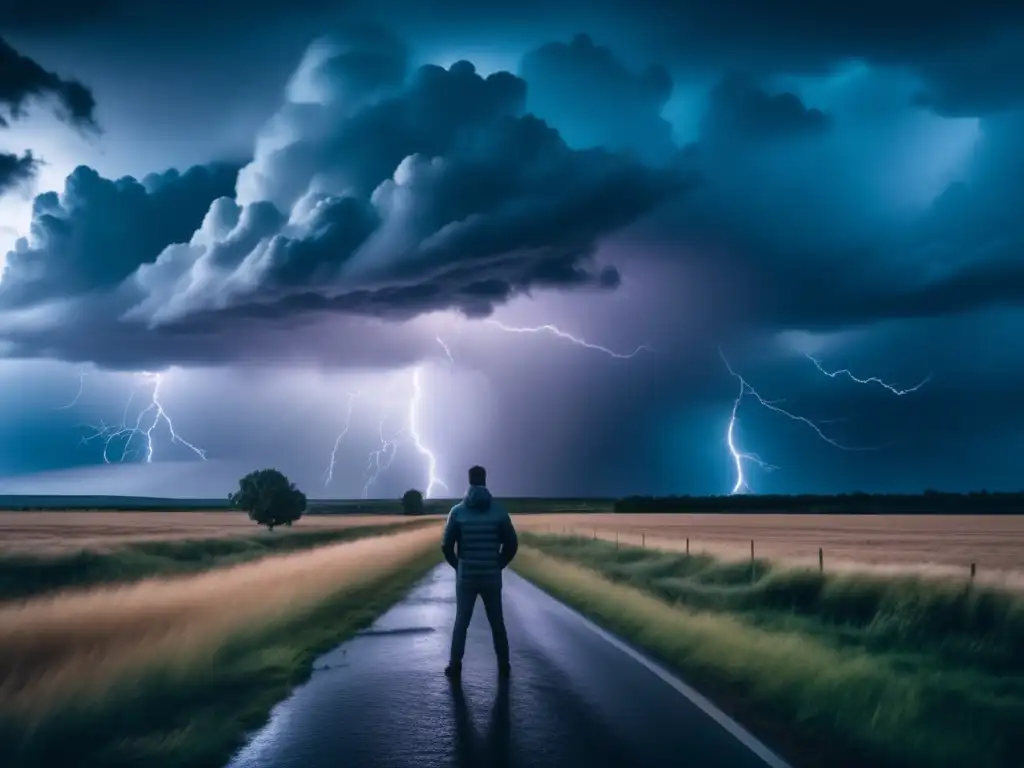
column 858, row 503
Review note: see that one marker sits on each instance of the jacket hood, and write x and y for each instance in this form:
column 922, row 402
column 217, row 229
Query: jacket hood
column 478, row 498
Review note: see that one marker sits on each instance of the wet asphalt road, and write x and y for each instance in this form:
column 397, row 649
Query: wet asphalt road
column 575, row 699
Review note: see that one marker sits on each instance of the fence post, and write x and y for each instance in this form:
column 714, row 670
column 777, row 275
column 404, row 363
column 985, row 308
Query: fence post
column 751, row 560
column 643, row 539
column 616, row 539
column 821, row 561
column 687, row 546
column 595, row 534
column 974, row 569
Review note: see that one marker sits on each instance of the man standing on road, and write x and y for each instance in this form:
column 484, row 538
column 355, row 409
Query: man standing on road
column 479, row 542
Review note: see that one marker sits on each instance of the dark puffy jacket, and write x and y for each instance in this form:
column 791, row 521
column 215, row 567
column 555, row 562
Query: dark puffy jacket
column 479, row 538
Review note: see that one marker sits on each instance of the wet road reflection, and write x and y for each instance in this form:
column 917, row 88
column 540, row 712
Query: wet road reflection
column 382, row 699
column 493, row 747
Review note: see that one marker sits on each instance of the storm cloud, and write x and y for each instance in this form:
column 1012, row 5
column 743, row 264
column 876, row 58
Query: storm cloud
column 23, row 79
column 372, row 192
column 596, row 100
column 16, row 170
column 842, row 180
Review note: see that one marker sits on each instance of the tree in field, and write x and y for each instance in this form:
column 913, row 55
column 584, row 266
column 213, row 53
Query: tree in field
column 270, row 498
column 412, row 502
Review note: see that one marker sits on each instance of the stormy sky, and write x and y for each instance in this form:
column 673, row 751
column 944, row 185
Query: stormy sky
column 297, row 231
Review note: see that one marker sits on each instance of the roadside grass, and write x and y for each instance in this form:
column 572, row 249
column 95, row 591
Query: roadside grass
column 976, row 626
column 188, row 692
column 24, row 576
column 837, row 670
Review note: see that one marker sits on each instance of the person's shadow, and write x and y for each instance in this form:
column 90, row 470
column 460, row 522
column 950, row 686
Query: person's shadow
column 491, row 751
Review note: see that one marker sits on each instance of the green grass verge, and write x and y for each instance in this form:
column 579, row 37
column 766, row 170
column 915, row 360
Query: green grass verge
column 961, row 624
column 804, row 663
column 199, row 717
column 25, row 576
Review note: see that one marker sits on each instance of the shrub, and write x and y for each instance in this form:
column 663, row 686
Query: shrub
column 412, row 502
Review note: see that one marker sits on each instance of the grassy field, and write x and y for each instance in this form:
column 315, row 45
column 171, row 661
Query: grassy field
column 836, row 669
column 25, row 574
column 172, row 672
column 54, row 532
column 943, row 545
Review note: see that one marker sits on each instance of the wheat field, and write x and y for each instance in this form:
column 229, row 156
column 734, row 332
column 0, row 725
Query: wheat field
column 55, row 648
column 47, row 533
column 939, row 545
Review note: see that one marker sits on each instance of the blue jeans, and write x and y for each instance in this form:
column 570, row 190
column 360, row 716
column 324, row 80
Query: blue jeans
column 466, row 594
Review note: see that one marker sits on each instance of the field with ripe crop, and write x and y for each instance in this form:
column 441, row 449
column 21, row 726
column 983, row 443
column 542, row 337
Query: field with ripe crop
column 940, row 545
column 56, row 532
column 174, row 671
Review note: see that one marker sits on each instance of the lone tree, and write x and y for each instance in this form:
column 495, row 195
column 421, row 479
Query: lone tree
column 412, row 502
column 270, row 498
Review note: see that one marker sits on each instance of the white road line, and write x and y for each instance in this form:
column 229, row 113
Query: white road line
column 734, row 729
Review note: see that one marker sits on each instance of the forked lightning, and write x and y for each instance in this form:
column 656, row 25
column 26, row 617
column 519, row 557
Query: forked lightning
column 140, row 433
column 740, row 458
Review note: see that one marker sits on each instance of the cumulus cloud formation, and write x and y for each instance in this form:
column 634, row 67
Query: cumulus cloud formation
column 444, row 195
column 98, row 232
column 374, row 191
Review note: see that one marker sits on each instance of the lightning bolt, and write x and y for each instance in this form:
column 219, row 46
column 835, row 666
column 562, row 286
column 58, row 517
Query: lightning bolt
column 78, row 395
column 432, row 478
column 447, row 350
column 556, row 331
column 746, row 389
column 146, row 422
column 329, row 473
column 381, row 458
column 739, row 457
column 870, row 380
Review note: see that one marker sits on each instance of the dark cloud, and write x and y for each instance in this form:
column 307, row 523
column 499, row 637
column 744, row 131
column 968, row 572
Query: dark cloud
column 967, row 53
column 22, row 79
column 596, row 100
column 54, row 14
column 976, row 81
column 60, row 15
column 16, row 170
column 739, row 111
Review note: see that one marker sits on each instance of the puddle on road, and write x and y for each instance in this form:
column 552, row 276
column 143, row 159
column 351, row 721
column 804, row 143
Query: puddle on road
column 396, row 631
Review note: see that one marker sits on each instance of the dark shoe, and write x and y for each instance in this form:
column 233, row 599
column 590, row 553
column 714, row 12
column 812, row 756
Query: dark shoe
column 504, row 670
column 453, row 669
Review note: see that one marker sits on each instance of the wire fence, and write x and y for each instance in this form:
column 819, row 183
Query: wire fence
column 683, row 544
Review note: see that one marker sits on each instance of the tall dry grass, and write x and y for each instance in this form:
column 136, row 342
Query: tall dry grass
column 51, row 533
column 934, row 546
column 53, row 649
